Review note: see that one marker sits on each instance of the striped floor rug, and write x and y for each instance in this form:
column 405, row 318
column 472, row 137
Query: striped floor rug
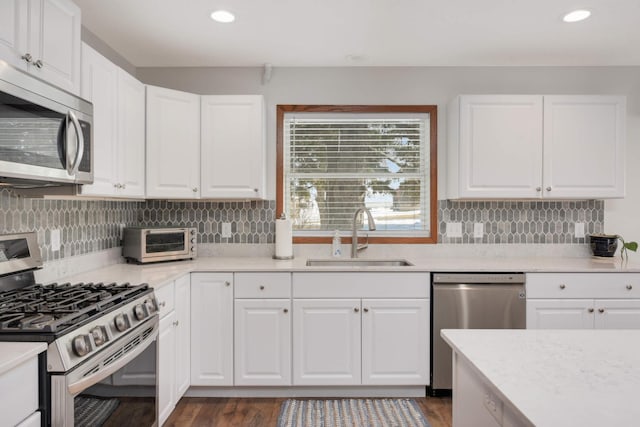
column 93, row 411
column 351, row 413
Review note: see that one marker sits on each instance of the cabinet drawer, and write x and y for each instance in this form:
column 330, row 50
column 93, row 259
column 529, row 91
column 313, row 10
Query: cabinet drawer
column 361, row 285
column 583, row 285
column 20, row 392
column 262, row 285
column 166, row 298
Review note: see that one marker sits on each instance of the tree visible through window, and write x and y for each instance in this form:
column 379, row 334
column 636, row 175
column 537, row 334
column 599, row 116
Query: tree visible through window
column 334, row 159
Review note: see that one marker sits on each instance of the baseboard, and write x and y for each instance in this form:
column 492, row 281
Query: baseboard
column 346, row 391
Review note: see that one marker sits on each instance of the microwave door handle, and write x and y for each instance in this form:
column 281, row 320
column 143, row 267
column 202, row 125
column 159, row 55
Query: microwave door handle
column 79, row 142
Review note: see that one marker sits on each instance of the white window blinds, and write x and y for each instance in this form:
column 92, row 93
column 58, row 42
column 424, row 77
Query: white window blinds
column 335, row 163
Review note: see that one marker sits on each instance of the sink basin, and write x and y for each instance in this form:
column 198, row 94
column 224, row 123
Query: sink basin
column 358, row 263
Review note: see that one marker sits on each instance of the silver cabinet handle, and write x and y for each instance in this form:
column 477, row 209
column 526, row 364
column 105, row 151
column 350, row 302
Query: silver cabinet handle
column 123, row 186
column 548, row 188
column 176, row 323
column 562, row 286
column 629, row 287
column 601, row 310
column 27, row 58
column 590, row 310
column 162, row 303
column 356, row 309
column 285, row 310
column 38, row 63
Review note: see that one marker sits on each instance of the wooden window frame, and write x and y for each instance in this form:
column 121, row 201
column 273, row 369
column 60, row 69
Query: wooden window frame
column 432, row 110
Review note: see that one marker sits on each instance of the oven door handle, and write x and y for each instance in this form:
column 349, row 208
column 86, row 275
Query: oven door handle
column 84, row 383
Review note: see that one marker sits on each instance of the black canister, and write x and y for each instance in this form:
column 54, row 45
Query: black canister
column 603, row 245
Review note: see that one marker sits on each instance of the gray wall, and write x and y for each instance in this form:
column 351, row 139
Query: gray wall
column 423, row 85
column 105, row 50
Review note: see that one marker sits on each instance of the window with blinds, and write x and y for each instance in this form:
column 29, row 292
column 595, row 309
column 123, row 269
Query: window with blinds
column 335, row 162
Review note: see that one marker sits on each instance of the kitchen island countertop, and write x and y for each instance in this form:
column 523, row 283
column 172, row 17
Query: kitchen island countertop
column 557, row 377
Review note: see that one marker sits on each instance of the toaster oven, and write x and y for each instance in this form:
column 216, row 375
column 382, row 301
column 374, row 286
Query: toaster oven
column 153, row 244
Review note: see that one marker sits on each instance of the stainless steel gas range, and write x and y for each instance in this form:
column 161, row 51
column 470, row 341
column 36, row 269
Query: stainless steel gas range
column 102, row 340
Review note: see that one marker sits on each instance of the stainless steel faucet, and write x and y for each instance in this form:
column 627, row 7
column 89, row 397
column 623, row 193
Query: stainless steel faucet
column 355, row 247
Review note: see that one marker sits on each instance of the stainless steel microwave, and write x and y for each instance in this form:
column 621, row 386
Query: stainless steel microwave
column 46, row 133
column 153, row 244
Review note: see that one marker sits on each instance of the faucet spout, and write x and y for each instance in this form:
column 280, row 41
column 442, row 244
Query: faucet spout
column 355, row 246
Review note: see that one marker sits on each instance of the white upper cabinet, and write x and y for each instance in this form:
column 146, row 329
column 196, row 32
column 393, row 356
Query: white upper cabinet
column 43, row 37
column 534, row 146
column 173, row 144
column 233, row 147
column 584, row 145
column 118, row 127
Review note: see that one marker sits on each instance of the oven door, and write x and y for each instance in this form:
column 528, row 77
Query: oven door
column 165, row 244
column 117, row 385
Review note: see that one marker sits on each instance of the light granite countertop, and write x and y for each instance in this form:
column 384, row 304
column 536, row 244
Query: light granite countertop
column 160, row 273
column 559, row 377
column 13, row 354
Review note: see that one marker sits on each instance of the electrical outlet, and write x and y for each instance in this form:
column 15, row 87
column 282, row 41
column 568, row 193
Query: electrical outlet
column 478, row 230
column 579, row 230
column 226, row 229
column 55, row 240
column 454, row 229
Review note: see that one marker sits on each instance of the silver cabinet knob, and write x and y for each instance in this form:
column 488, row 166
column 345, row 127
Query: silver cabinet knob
column 176, row 323
column 548, row 188
column 629, row 287
column 538, row 189
column 227, row 283
column 356, row 309
column 194, row 189
column 590, row 310
column 124, row 186
column 38, row 63
column 162, row 303
column 285, row 310
column 562, row 286
column 601, row 310
column 27, row 58
column 262, row 287
column 255, row 190
column 366, row 310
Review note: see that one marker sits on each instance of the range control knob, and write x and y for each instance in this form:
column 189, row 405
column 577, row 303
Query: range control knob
column 193, row 240
column 81, row 345
column 99, row 335
column 193, row 232
column 139, row 311
column 193, row 249
column 121, row 323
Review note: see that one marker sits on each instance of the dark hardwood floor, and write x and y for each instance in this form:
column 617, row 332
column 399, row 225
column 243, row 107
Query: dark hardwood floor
column 258, row 412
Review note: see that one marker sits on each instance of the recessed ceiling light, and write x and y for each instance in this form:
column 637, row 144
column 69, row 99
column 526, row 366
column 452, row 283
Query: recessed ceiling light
column 223, row 16
column 576, row 15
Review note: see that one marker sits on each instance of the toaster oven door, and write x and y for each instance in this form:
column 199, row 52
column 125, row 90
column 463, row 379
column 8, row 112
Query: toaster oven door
column 165, row 244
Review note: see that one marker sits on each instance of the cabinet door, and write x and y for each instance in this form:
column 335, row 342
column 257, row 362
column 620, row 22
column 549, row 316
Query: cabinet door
column 584, row 141
column 183, row 335
column 100, row 85
column 326, row 342
column 262, row 342
column 395, row 342
column 131, row 142
column 617, row 314
column 54, row 39
column 233, row 147
column 560, row 314
column 500, row 146
column 166, row 367
column 13, row 32
column 211, row 329
column 173, row 144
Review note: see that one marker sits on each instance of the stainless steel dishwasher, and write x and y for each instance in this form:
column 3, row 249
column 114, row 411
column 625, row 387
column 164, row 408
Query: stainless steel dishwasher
column 471, row 301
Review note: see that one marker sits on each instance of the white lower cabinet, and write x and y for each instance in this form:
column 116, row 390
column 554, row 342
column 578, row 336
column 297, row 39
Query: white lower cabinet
column 212, row 329
column 173, row 344
column 262, row 342
column 583, row 301
column 395, row 341
column 326, row 337
column 19, row 387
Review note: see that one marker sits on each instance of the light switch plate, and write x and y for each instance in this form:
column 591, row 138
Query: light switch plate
column 454, row 229
column 478, row 230
column 579, row 230
column 55, row 240
column 226, row 229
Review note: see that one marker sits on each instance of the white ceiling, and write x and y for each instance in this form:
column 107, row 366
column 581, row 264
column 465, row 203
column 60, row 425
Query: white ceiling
column 156, row 33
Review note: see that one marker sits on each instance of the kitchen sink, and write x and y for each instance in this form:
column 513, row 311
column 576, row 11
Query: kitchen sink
column 355, row 262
